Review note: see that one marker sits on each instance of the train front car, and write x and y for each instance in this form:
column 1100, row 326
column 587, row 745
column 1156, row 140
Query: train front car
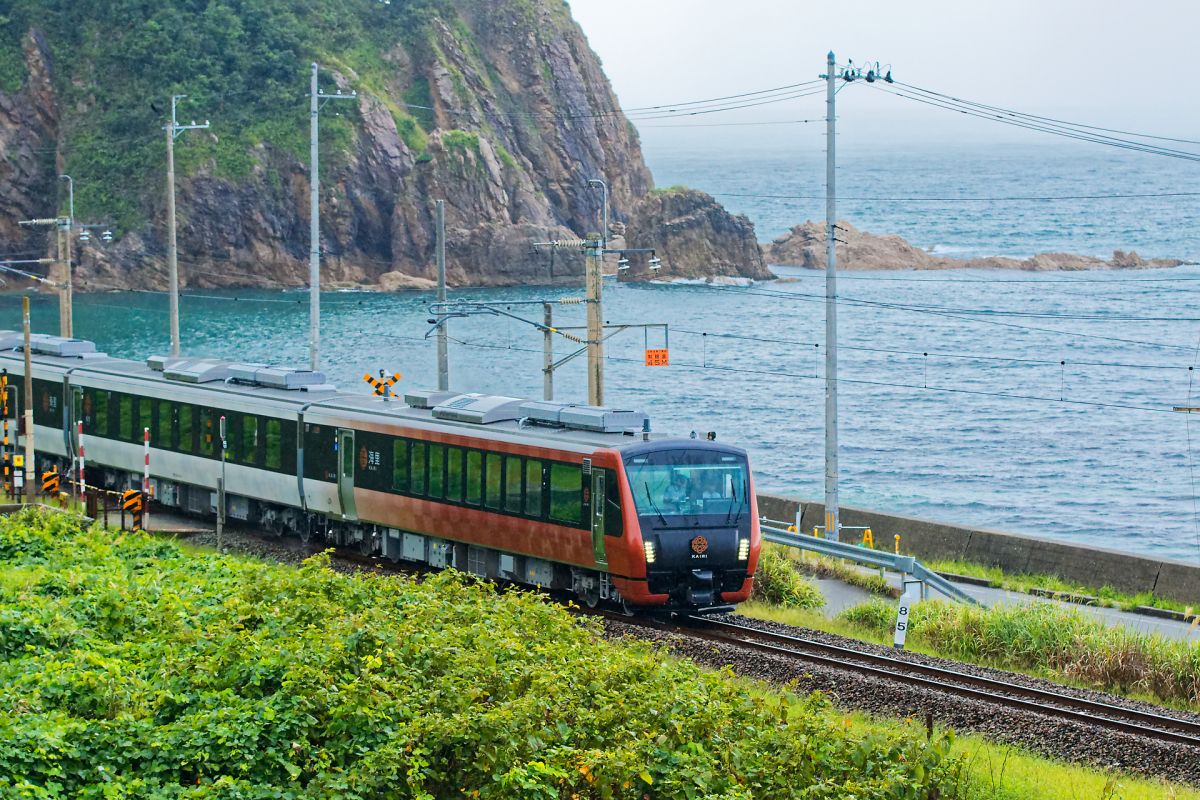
column 694, row 504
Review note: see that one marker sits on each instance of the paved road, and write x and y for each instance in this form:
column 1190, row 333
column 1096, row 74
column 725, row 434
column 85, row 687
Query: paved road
column 839, row 596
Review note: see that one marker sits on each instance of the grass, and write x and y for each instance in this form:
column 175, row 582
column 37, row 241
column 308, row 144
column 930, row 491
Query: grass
column 1096, row 657
column 824, row 567
column 1047, row 640
column 1106, row 595
column 778, row 583
column 994, row 771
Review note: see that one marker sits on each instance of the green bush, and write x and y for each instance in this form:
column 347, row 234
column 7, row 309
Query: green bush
column 1049, row 638
column 777, row 582
column 132, row 669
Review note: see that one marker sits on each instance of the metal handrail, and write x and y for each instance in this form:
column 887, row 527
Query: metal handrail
column 905, row 565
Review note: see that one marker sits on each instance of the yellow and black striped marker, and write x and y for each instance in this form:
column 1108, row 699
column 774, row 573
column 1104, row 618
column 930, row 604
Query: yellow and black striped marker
column 50, row 482
column 382, row 386
column 131, row 501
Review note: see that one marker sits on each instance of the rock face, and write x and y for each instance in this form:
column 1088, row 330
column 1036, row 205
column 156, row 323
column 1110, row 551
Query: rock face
column 28, row 132
column 695, row 237
column 804, row 246
column 520, row 116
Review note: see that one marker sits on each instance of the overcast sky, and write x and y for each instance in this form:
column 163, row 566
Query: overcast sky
column 1103, row 62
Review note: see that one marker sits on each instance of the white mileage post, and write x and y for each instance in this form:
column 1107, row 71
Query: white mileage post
column 912, row 593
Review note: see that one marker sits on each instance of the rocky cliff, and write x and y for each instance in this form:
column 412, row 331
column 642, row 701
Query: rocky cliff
column 804, row 246
column 499, row 108
column 694, row 236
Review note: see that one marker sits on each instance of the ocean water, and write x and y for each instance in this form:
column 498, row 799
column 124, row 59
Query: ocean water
column 1037, row 403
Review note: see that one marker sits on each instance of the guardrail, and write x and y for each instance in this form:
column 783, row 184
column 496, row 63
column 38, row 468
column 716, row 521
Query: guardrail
column 905, row 565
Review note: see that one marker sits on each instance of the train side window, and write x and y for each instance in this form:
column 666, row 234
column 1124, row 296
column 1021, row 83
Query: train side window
column 400, row 465
column 533, row 488
column 274, row 444
column 100, row 413
column 125, row 429
column 454, row 474
column 250, row 440
column 437, row 470
column 145, row 418
column 162, row 434
column 474, row 477
column 208, row 432
column 233, row 435
column 187, row 442
column 512, row 484
column 417, row 474
column 493, row 481
column 613, row 525
column 566, row 493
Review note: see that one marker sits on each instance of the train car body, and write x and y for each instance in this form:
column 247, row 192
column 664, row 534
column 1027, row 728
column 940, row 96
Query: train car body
column 563, row 496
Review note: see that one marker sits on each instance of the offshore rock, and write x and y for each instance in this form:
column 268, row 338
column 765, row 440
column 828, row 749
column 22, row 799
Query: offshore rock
column 695, row 237
column 804, row 246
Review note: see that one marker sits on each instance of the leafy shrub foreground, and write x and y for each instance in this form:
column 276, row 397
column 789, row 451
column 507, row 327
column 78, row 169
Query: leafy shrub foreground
column 1041, row 636
column 130, row 668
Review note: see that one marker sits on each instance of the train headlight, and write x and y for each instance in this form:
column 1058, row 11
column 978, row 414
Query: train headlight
column 744, row 550
column 651, row 552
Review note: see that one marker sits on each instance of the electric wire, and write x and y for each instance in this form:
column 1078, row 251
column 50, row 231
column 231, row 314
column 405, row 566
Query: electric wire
column 1047, row 119
column 1043, row 128
column 940, row 354
column 978, row 320
column 855, row 381
column 961, row 199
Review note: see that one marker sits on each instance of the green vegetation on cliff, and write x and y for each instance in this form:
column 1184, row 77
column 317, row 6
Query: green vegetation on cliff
column 244, row 64
column 130, row 667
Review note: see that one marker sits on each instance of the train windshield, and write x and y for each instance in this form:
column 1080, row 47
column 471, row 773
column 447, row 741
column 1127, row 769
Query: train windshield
column 675, row 483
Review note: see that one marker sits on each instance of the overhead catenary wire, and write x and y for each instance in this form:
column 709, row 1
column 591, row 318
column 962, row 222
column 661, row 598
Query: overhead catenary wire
column 854, row 381
column 978, row 320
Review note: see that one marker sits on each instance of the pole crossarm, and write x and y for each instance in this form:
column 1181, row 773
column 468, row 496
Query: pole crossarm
column 445, row 311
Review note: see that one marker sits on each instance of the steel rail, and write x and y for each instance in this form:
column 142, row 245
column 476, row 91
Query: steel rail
column 989, row 690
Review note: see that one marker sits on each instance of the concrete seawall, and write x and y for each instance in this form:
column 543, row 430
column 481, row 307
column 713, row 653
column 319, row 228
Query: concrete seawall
column 1011, row 552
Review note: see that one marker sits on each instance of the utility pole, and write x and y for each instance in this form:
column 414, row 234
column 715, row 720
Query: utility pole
column 595, row 312
column 314, row 216
column 66, row 298
column 30, row 471
column 61, row 227
column 832, row 518
column 174, row 131
column 443, row 356
column 850, row 73
column 547, row 351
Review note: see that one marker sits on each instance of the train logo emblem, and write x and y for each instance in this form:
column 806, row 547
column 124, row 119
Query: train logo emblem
column 699, row 545
column 362, row 458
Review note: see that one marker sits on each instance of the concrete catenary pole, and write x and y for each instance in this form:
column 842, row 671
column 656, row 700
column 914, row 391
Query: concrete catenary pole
column 314, row 214
column 443, row 354
column 174, row 129
column 595, row 313
column 832, row 520
column 66, row 313
column 30, row 473
column 314, row 225
column 547, row 351
column 172, row 244
column 595, row 324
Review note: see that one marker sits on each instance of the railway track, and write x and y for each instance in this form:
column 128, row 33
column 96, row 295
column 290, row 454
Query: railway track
column 1092, row 713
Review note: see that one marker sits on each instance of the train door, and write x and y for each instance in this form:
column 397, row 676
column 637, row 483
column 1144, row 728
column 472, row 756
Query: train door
column 346, row 472
column 599, row 492
column 77, row 412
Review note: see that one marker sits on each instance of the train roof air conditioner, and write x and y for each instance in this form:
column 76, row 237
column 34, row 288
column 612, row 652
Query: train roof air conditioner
column 598, row 419
column 481, row 409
